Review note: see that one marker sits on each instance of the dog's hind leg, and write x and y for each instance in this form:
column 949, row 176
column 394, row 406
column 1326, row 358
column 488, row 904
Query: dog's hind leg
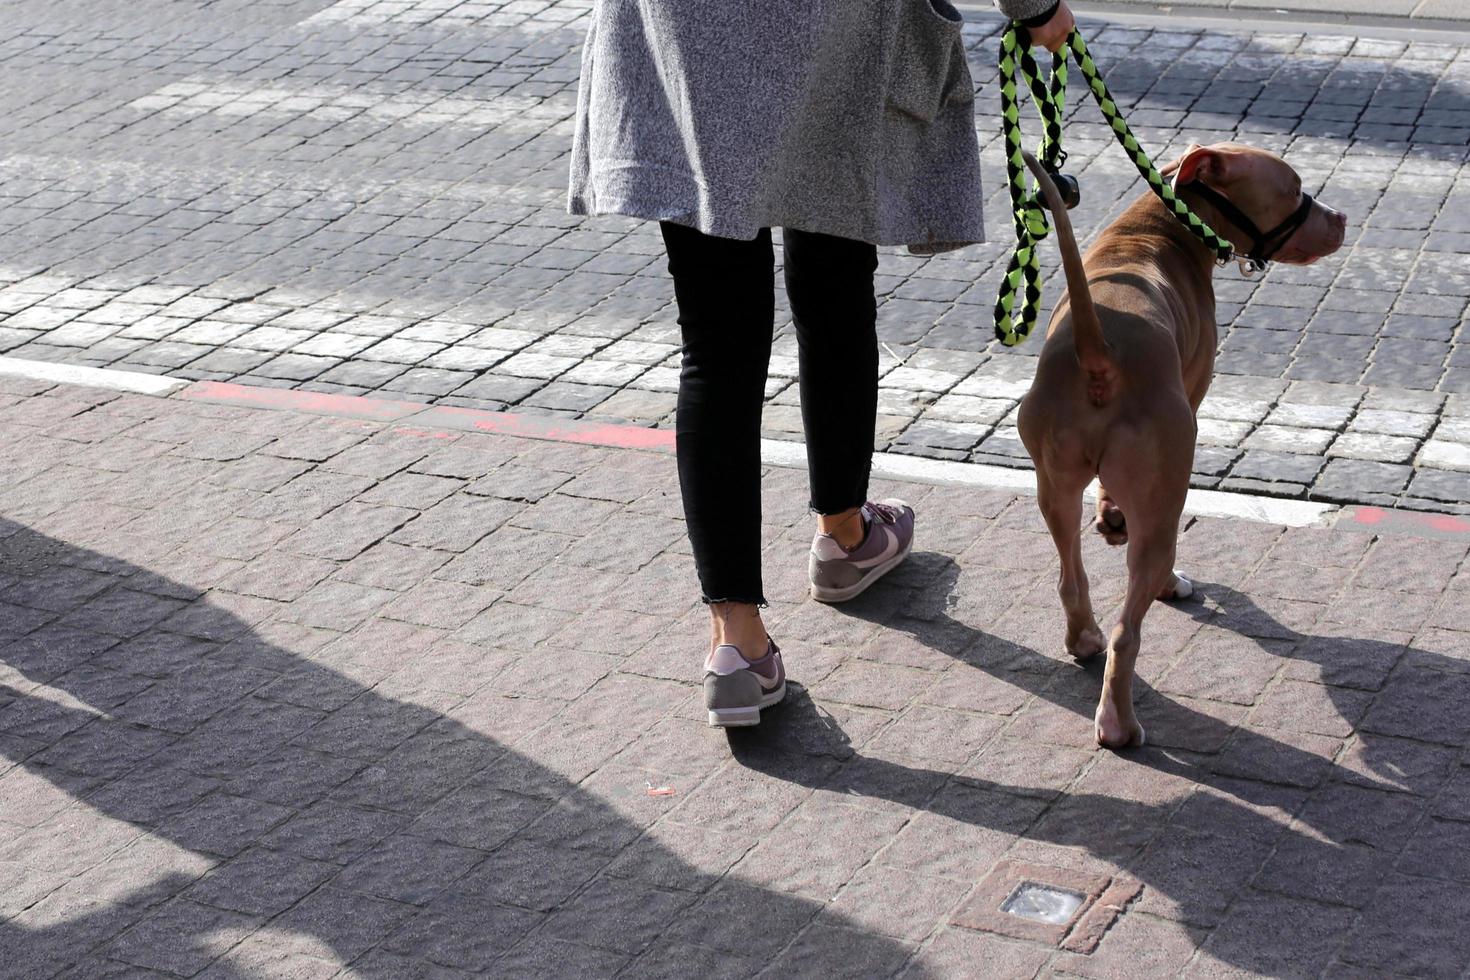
column 1061, row 506
column 1150, row 557
column 1155, row 505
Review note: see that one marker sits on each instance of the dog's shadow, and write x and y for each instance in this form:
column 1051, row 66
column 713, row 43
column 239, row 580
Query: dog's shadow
column 1197, row 855
column 1351, row 670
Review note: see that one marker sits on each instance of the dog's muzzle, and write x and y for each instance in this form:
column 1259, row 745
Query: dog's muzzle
column 1264, row 244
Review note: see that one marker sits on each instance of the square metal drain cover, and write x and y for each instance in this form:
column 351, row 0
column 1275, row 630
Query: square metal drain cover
column 1043, row 903
column 1061, row 907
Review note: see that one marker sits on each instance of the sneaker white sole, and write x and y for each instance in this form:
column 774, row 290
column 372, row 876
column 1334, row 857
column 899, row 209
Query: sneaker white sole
column 744, row 717
column 858, row 588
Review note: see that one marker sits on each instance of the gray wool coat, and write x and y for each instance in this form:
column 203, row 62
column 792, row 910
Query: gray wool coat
column 846, row 117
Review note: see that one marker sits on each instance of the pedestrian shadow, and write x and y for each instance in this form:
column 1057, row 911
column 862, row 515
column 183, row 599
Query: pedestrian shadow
column 1273, row 811
column 177, row 779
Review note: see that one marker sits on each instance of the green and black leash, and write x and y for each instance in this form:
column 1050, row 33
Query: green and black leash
column 1015, row 320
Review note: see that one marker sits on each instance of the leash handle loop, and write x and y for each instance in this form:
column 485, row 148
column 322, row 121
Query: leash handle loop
column 1014, row 321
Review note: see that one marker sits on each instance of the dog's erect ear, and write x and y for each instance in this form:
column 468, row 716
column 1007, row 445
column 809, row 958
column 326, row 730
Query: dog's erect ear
column 1198, row 162
column 1173, row 165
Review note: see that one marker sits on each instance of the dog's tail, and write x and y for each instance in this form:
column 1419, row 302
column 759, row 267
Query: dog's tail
column 1087, row 336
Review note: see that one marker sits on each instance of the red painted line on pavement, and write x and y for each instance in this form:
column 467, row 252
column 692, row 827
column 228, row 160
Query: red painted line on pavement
column 548, row 427
column 425, row 418
column 315, row 402
column 1406, row 521
column 1447, row 522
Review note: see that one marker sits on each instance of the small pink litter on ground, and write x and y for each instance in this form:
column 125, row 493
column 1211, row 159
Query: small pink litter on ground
column 659, row 790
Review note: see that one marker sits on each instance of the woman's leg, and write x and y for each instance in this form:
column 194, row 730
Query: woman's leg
column 726, row 297
column 830, row 283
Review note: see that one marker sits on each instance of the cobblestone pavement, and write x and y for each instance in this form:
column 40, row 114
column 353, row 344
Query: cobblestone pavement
column 288, row 695
column 366, row 196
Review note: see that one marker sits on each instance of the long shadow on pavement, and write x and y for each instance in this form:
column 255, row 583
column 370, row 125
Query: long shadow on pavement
column 227, row 783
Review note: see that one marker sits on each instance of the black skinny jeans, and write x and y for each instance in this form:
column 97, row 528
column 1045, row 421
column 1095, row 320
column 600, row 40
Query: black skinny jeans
column 727, row 306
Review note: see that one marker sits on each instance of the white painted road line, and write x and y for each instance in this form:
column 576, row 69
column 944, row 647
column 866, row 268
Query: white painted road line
column 71, row 374
column 1199, row 503
column 1267, row 510
column 894, row 466
column 899, row 467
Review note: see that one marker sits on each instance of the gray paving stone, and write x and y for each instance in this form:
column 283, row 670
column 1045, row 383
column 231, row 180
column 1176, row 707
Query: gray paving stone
column 332, row 344
column 1234, row 409
column 347, row 531
column 1325, row 394
column 364, row 374
column 171, row 939
column 498, row 388
column 638, row 406
column 622, row 916
column 1404, row 375
column 231, row 360
column 1391, row 422
column 1385, row 926
column 1342, row 478
column 1221, row 433
column 1440, row 485
column 957, row 436
column 294, row 367
column 261, row 882
column 462, row 933
column 427, row 381
column 271, row 338
column 1289, row 439
column 1444, row 454
column 1309, row 415
column 572, row 397
column 1277, row 466
column 1316, row 930
column 546, row 956
column 1364, row 445
column 456, row 523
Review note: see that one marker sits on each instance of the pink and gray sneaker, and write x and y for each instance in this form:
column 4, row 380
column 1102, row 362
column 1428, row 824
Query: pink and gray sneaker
column 838, row 574
column 736, row 689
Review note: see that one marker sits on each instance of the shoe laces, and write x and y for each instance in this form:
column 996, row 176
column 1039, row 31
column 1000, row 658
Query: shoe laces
column 880, row 512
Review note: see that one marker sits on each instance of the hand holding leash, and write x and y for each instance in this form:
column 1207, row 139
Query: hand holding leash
column 1053, row 33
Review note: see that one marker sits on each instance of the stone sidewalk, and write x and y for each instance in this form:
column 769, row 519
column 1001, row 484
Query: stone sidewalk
column 368, row 197
column 296, row 695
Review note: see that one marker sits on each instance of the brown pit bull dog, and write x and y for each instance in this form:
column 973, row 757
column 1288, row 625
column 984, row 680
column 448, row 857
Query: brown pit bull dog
column 1127, row 359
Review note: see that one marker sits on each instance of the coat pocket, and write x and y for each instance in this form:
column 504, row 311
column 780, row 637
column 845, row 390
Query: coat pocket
column 929, row 71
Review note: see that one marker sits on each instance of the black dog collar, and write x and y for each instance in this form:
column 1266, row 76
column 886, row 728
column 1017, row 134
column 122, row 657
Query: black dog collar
column 1264, row 245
